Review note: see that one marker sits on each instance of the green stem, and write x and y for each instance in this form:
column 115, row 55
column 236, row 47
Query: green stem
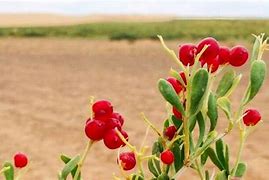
column 4, row 169
column 171, row 53
column 239, row 154
column 81, row 161
column 186, row 121
column 199, row 169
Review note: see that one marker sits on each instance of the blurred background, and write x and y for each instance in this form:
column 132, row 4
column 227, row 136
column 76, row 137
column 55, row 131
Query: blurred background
column 55, row 54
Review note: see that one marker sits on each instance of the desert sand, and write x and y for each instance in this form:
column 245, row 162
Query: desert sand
column 45, row 85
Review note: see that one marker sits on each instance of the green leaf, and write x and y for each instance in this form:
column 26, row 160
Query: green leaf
column 221, row 176
column 235, row 84
column 227, row 159
column 137, row 177
column 204, row 157
column 201, row 123
column 176, row 122
column 241, row 169
column 257, row 76
column 192, row 123
column 66, row 159
column 69, row 167
column 255, row 50
column 179, row 158
column 225, row 104
column 210, row 138
column 154, row 167
column 163, row 177
column 212, row 111
column 9, row 173
column 166, row 123
column 157, row 148
column 226, row 83
column 211, row 153
column 176, row 75
column 221, row 153
column 170, row 95
column 198, row 88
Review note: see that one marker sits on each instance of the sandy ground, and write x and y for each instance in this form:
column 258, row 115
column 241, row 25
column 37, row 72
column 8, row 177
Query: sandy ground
column 14, row 20
column 45, row 85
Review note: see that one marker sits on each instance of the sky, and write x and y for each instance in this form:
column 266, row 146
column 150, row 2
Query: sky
column 180, row 8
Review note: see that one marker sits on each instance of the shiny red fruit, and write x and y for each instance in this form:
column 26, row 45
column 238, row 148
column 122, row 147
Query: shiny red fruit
column 167, row 157
column 212, row 51
column 213, row 64
column 102, row 109
column 251, row 117
column 112, row 140
column 176, row 113
column 113, row 123
column 224, row 55
column 118, row 116
column 20, row 160
column 186, row 54
column 95, row 129
column 175, row 83
column 127, row 160
column 238, row 56
column 170, row 132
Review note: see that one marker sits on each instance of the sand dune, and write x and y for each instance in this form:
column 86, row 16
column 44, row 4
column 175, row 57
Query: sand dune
column 7, row 20
column 45, row 86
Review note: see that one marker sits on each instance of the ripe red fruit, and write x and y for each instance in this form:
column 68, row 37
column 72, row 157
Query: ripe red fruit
column 186, row 54
column 224, row 55
column 102, row 109
column 167, row 157
column 127, row 160
column 238, row 56
column 95, row 129
column 175, row 83
column 20, row 160
column 213, row 64
column 118, row 116
column 213, row 49
column 176, row 113
column 251, row 117
column 113, row 123
column 112, row 140
column 183, row 76
column 170, row 132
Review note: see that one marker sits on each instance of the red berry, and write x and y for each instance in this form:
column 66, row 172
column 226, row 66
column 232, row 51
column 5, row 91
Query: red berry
column 127, row 160
column 113, row 123
column 186, row 54
column 213, row 49
column 118, row 116
column 20, row 160
column 112, row 140
column 213, row 64
column 176, row 113
column 251, row 117
column 224, row 55
column 95, row 129
column 170, row 132
column 238, row 56
column 176, row 84
column 183, row 76
column 102, row 109
column 167, row 157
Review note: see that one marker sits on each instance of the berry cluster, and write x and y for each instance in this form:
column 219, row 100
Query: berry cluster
column 214, row 55
column 103, row 125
